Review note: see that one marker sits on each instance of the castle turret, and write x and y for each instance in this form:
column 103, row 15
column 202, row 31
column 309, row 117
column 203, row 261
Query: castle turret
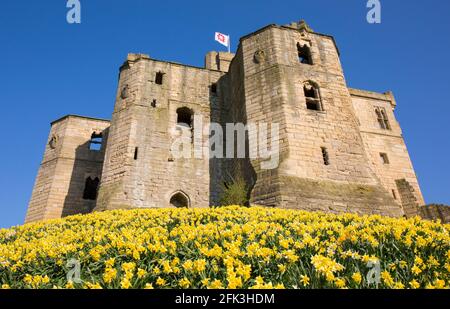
column 219, row 61
column 71, row 168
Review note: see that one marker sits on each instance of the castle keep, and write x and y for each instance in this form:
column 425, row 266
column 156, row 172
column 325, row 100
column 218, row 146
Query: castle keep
column 341, row 149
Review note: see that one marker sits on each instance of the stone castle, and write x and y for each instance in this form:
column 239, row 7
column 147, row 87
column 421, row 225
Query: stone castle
column 341, row 149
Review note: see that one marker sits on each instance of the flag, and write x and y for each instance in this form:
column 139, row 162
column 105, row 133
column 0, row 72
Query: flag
column 223, row 39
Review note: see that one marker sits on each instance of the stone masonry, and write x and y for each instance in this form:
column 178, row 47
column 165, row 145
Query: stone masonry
column 341, row 149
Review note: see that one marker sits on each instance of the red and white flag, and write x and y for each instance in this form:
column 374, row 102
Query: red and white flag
column 223, row 39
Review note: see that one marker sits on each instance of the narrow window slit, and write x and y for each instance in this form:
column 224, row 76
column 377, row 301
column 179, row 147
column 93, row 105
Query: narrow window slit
column 384, row 158
column 326, row 158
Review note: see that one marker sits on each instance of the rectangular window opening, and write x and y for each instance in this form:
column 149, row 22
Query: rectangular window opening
column 90, row 188
column 136, row 149
column 326, row 158
column 384, row 158
column 159, row 78
column 304, row 54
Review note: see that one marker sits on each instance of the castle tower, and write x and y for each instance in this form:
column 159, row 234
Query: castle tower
column 155, row 102
column 71, row 168
column 292, row 76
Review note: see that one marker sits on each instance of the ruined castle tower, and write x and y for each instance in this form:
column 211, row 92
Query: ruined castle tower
column 70, row 170
column 341, row 149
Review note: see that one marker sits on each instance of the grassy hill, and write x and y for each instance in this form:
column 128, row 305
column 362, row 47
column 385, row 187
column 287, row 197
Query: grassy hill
column 230, row 247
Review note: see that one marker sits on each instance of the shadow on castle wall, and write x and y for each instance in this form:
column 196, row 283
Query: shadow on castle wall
column 87, row 163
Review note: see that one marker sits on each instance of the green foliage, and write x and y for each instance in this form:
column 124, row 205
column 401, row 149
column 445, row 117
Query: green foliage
column 234, row 193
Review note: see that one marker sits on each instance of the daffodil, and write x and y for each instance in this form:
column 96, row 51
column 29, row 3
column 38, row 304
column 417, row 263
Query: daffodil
column 414, row 284
column 160, row 281
column 357, row 278
column 109, row 275
column 416, row 270
column 184, row 283
column 281, row 268
column 125, row 283
column 304, row 280
column 141, row 273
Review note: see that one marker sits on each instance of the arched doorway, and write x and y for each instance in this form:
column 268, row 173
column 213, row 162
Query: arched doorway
column 179, row 200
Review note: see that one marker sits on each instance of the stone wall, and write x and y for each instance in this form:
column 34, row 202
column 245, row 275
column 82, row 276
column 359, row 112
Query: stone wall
column 218, row 61
column 435, row 212
column 66, row 165
column 407, row 197
column 412, row 207
column 336, row 197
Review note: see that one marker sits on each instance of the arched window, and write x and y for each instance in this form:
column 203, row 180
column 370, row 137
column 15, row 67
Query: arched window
column 382, row 118
column 385, row 119
column 180, row 199
column 96, row 142
column 304, row 54
column 312, row 96
column 90, row 188
column 379, row 118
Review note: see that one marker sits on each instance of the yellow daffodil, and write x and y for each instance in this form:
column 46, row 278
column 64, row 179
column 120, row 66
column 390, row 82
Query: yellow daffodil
column 414, row 284
column 160, row 281
column 184, row 283
column 357, row 278
column 304, row 280
column 141, row 273
column 109, row 275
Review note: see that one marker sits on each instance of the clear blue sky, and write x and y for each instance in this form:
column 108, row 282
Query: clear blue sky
column 51, row 68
